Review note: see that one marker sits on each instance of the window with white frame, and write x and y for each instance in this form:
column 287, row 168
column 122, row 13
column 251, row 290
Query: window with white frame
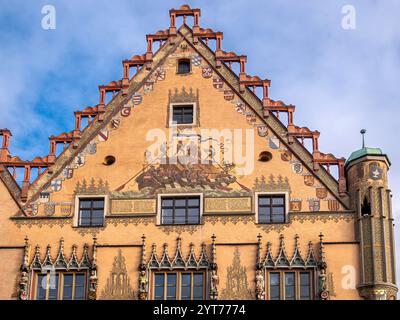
column 91, row 212
column 180, row 209
column 271, row 208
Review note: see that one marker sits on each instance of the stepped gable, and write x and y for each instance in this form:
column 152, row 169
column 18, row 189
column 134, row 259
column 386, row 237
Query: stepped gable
column 143, row 66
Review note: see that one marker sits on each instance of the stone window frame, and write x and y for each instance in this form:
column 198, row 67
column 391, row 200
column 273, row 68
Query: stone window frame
column 297, row 271
column 190, row 66
column 60, row 282
column 182, row 125
column 106, row 199
column 161, row 195
column 178, row 286
column 272, row 193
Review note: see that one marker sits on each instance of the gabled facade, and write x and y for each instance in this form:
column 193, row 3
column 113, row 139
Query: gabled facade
column 186, row 183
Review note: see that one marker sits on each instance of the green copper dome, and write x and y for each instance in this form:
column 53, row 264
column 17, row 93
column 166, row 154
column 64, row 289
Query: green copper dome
column 364, row 152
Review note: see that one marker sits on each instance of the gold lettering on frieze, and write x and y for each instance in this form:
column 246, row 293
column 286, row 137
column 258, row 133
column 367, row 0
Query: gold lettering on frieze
column 133, row 206
column 231, row 205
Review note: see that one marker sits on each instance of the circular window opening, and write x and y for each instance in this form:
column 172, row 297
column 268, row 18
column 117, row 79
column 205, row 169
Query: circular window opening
column 265, row 156
column 109, row 160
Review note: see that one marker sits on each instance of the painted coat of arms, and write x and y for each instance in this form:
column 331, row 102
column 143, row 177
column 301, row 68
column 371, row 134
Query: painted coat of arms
column 137, row 99
column 218, row 83
column 375, row 172
column 79, row 160
column 297, row 167
column 240, row 107
column 229, row 95
column 125, row 112
column 333, row 205
column 309, row 180
column 56, row 185
column 262, row 130
column 274, row 142
column 148, row 86
column 91, row 148
column 159, row 74
column 314, row 204
column 207, row 72
column 321, row 193
column 196, row 60
column 286, row 155
column 68, row 173
column 295, row 205
column 115, row 123
column 103, row 135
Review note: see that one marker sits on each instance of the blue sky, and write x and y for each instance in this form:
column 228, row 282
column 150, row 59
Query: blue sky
column 340, row 80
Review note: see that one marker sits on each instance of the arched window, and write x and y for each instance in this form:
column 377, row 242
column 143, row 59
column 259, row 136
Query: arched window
column 365, row 207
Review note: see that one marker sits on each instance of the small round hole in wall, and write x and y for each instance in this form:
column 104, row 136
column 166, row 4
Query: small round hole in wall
column 265, row 156
column 109, row 160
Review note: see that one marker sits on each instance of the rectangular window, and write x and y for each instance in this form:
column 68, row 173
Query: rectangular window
column 159, row 286
column 180, row 210
column 290, row 286
column 179, row 286
column 91, row 212
column 293, row 285
column 271, row 209
column 183, row 66
column 65, row 286
column 182, row 114
column 275, row 286
column 305, row 286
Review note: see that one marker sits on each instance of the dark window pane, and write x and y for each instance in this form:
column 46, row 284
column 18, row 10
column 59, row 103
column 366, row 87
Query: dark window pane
column 185, row 293
column 198, row 293
column 264, row 201
column 289, row 285
column 171, row 286
column 264, row 211
column 274, row 286
column 167, row 220
column 98, row 203
column 305, row 286
column 183, row 66
column 185, row 279
column 167, row 202
column 91, row 212
column 85, row 204
column 277, row 200
column 180, row 220
column 193, row 220
column 85, row 214
column 193, row 212
column 278, row 210
column 159, row 279
column 159, row 293
column 194, row 202
column 187, row 118
column 304, row 278
column 278, row 218
column 167, row 212
column 198, row 279
column 41, row 287
column 180, row 212
column 53, row 287
column 185, row 286
column 67, row 289
column 182, row 115
column 159, row 286
column 97, row 213
column 180, row 202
